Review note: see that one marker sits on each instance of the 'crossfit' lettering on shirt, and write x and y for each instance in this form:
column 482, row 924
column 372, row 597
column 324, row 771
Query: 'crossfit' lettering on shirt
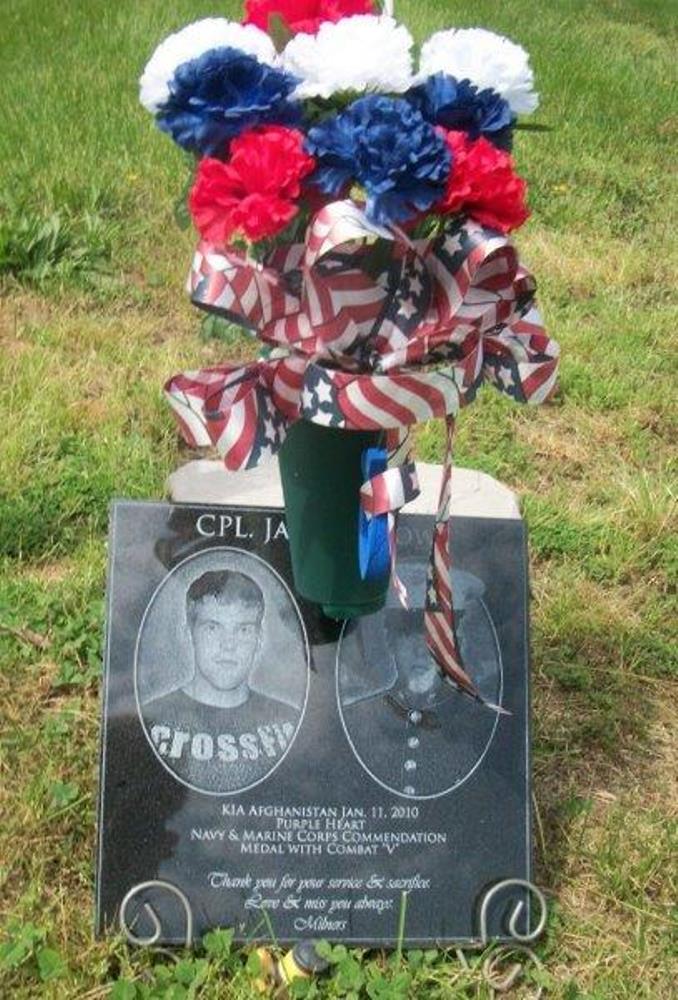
column 266, row 741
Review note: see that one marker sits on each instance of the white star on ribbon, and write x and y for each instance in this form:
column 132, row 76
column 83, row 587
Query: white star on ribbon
column 307, row 399
column 324, row 392
column 407, row 309
column 453, row 243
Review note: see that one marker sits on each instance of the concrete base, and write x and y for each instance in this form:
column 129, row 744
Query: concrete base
column 204, row 481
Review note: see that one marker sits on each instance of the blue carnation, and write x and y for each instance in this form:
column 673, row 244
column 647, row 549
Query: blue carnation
column 459, row 106
column 222, row 93
column 386, row 146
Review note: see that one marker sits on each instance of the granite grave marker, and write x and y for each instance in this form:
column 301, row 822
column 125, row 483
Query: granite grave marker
column 285, row 771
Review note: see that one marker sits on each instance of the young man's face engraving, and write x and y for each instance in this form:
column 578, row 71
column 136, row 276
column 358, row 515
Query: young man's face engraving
column 225, row 641
column 223, row 730
column 225, row 612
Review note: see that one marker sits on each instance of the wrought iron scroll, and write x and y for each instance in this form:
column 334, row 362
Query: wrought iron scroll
column 499, row 979
column 151, row 940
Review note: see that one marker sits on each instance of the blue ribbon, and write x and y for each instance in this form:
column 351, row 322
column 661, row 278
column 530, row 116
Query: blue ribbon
column 373, row 546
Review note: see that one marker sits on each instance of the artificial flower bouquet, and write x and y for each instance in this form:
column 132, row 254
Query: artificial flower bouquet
column 353, row 211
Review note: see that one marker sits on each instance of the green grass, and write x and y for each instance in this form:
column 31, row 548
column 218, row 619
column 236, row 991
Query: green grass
column 93, row 319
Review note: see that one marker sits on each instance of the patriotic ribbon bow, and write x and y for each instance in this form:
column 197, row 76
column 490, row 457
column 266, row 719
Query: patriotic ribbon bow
column 367, row 330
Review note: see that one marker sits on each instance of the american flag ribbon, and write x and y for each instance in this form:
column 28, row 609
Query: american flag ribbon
column 365, row 329
column 391, row 482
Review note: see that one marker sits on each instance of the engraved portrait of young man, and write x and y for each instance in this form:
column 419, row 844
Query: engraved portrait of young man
column 413, row 732
column 216, row 731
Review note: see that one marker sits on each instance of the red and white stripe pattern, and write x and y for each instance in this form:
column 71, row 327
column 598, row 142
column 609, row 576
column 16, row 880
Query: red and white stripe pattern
column 343, row 354
column 390, row 490
column 439, row 625
column 441, row 637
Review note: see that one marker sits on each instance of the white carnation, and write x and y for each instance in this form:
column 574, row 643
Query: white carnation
column 363, row 53
column 487, row 60
column 193, row 41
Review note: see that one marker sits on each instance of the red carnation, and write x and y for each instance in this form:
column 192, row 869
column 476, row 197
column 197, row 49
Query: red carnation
column 484, row 184
column 256, row 190
column 304, row 15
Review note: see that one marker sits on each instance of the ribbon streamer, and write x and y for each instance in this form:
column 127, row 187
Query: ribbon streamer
column 383, row 493
column 367, row 330
column 374, row 550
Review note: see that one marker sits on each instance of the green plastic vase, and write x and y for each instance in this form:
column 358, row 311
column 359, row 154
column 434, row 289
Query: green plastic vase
column 321, row 473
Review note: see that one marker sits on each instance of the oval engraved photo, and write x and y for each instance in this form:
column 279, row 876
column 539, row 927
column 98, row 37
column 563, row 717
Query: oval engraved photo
column 413, row 732
column 221, row 671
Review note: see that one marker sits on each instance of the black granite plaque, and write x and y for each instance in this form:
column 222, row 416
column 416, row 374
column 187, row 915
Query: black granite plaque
column 293, row 776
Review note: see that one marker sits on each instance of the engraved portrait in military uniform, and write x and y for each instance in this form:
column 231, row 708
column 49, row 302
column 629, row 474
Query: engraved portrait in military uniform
column 410, row 729
column 221, row 671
